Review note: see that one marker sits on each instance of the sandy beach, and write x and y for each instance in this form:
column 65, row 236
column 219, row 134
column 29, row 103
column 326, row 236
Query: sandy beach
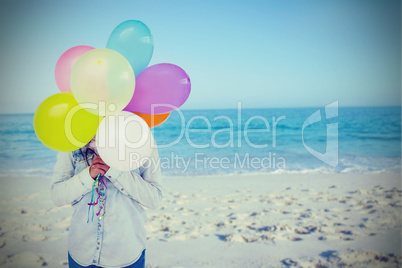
column 283, row 220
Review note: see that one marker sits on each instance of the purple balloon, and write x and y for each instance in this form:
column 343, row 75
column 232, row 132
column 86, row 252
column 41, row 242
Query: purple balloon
column 159, row 89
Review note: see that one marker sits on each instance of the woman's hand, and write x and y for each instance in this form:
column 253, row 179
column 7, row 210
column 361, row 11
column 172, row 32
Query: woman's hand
column 98, row 167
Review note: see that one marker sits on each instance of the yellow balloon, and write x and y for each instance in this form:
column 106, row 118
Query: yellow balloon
column 62, row 124
column 105, row 78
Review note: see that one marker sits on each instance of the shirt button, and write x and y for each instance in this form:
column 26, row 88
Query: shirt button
column 100, row 225
column 122, row 189
column 97, row 248
column 98, row 243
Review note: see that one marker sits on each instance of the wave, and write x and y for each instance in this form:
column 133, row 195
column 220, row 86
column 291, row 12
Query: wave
column 350, row 169
column 234, row 128
column 16, row 131
column 381, row 138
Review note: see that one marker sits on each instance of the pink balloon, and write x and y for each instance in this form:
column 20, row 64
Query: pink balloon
column 164, row 86
column 65, row 64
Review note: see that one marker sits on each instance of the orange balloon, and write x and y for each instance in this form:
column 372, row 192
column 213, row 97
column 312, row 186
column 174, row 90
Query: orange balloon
column 153, row 120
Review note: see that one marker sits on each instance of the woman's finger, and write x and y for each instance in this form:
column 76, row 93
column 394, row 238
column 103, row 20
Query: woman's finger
column 96, row 160
column 99, row 171
column 100, row 160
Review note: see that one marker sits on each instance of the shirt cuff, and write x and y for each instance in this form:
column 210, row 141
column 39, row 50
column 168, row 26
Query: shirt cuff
column 112, row 174
column 86, row 178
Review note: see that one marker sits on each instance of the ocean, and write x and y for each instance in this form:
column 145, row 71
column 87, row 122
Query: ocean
column 234, row 141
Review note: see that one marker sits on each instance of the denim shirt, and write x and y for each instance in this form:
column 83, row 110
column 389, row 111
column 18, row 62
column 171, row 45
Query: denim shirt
column 118, row 238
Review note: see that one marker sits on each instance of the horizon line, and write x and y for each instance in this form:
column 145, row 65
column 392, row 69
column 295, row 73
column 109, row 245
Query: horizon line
column 255, row 108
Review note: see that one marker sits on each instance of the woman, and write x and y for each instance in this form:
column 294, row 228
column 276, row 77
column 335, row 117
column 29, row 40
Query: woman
column 115, row 235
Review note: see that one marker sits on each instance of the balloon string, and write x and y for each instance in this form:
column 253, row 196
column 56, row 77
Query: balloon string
column 92, row 200
column 102, row 200
column 95, row 187
column 103, row 182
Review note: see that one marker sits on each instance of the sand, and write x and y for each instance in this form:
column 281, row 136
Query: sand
column 284, row 220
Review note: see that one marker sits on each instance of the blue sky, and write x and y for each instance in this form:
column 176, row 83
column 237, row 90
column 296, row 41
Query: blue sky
column 263, row 53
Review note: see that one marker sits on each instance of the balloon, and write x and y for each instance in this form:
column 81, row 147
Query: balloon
column 63, row 125
column 134, row 41
column 160, row 89
column 124, row 141
column 153, row 120
column 65, row 64
column 103, row 78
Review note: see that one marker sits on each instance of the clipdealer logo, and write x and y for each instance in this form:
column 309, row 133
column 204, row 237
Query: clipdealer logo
column 271, row 160
column 330, row 156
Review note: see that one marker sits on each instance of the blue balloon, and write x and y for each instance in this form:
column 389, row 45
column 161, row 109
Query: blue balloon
column 134, row 41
